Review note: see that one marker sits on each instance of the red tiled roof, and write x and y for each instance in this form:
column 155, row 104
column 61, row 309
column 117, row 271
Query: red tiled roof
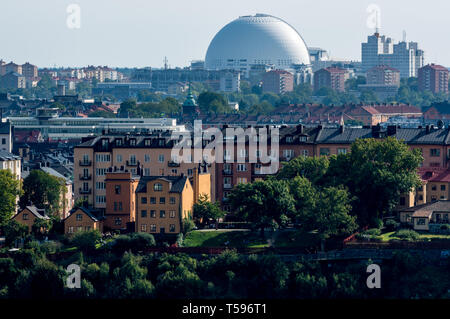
column 434, row 174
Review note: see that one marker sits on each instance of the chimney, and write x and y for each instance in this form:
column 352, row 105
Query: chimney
column 427, row 129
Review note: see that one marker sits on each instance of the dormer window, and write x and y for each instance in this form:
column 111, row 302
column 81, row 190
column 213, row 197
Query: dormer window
column 303, row 138
column 119, row 142
column 148, row 142
column 289, row 139
column 161, row 142
column 132, row 142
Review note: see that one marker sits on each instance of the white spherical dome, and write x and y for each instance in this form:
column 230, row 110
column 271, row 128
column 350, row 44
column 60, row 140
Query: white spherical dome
column 259, row 39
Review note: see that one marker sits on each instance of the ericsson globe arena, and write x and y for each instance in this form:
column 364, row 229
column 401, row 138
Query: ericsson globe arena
column 256, row 40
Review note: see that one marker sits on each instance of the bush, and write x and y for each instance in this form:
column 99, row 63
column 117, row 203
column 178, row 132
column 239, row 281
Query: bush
column 377, row 223
column 134, row 242
column 188, row 226
column 372, row 232
column 407, row 234
column 391, row 225
column 86, row 240
column 180, row 240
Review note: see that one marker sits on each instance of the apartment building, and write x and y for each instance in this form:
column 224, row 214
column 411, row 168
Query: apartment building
column 333, row 78
column 433, row 78
column 146, row 155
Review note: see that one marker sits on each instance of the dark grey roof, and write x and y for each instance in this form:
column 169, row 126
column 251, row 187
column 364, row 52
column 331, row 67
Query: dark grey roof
column 421, row 136
column 7, row 156
column 5, row 127
column 39, row 213
column 337, row 136
column 92, row 214
column 177, row 183
column 425, row 210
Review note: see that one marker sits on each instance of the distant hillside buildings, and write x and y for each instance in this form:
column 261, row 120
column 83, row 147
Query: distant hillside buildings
column 404, row 56
column 433, row 78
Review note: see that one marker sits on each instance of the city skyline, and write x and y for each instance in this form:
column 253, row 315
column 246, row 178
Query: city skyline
column 142, row 34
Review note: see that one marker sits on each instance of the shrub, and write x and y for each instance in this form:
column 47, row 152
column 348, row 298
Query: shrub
column 391, row 225
column 407, row 234
column 134, row 242
column 188, row 226
column 86, row 240
column 377, row 223
column 372, row 232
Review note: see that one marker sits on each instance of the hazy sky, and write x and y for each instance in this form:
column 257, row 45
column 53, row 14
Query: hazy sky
column 139, row 33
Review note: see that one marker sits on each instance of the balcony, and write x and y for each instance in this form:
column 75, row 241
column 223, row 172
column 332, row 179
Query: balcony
column 227, row 172
column 85, row 191
column 227, row 186
column 132, row 163
column 173, row 164
column 85, row 177
column 85, row 163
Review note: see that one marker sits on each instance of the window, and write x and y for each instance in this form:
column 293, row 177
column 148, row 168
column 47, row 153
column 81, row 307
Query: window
column 172, row 228
column 70, row 229
column 162, row 200
column 118, row 221
column 420, row 197
column 79, row 217
column 152, row 200
column 3, row 141
column 87, row 228
column 143, row 213
column 132, row 142
column 161, row 158
column 442, row 187
column 157, row 187
column 153, row 213
column 147, row 158
column 242, row 167
column 242, row 180
column 100, row 199
column 162, row 214
column 100, row 171
column 305, row 153
column 117, row 189
column 289, row 139
column 341, row 151
column 433, row 187
column 172, row 214
column 146, row 171
column 435, row 152
column 324, row 151
column 172, row 200
column 132, row 159
column 402, row 201
column 119, row 158
column 189, row 171
column 153, row 228
column 119, row 142
column 144, row 227
column 115, row 206
column 303, row 138
column 288, row 153
column 100, row 185
column 103, row 158
column 120, row 206
column 143, row 200
column 421, row 221
column 25, row 216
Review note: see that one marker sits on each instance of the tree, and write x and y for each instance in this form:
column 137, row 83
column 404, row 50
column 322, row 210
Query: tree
column 263, row 203
column 102, row 114
column 42, row 190
column 205, row 210
column 41, row 226
column 9, row 190
column 376, row 173
column 312, row 168
column 86, row 240
column 126, row 107
column 211, row 102
column 14, row 230
column 330, row 216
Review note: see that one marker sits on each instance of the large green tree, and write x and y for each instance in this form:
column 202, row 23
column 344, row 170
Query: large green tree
column 264, row 204
column 205, row 210
column 376, row 173
column 9, row 190
column 312, row 168
column 42, row 190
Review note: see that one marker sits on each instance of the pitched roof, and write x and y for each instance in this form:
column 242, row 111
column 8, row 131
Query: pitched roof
column 87, row 211
column 39, row 213
column 177, row 183
column 7, row 156
column 426, row 210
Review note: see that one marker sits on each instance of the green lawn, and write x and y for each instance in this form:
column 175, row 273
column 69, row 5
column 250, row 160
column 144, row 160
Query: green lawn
column 219, row 238
column 249, row 239
column 424, row 237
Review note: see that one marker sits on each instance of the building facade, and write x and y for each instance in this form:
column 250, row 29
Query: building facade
column 333, row 78
column 278, row 82
column 433, row 78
